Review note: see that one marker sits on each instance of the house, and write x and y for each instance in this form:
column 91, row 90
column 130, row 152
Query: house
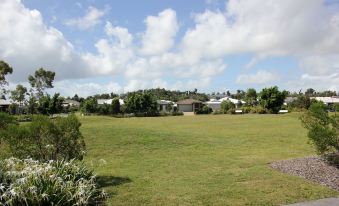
column 214, row 104
column 71, row 103
column 189, row 105
column 109, row 101
column 327, row 100
column 4, row 105
column 164, row 105
column 289, row 100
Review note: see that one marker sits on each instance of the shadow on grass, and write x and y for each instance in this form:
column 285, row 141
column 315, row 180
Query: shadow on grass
column 106, row 181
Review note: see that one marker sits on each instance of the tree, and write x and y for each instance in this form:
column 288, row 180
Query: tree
column 226, row 106
column 141, row 104
column 18, row 95
column 5, row 69
column 309, row 92
column 90, row 105
column 115, row 106
column 55, row 104
column 323, row 129
column 42, row 79
column 302, row 102
column 272, row 99
column 251, row 96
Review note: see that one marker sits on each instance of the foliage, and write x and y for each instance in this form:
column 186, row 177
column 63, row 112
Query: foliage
column 174, row 96
column 41, row 80
column 302, row 102
column 142, row 104
column 32, row 105
column 204, row 110
column 5, row 69
column 47, row 139
column 323, row 129
column 29, row 182
column 89, row 105
column 251, row 97
column 115, row 106
column 272, row 99
column 6, row 120
column 226, row 105
column 18, row 95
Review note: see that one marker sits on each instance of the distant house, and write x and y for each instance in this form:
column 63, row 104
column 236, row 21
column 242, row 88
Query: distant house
column 189, row 105
column 71, row 103
column 4, row 104
column 327, row 100
column 289, row 100
column 164, row 105
column 109, row 101
column 215, row 104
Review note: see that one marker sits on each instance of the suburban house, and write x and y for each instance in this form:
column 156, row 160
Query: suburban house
column 109, row 101
column 71, row 103
column 327, row 100
column 4, row 105
column 165, row 105
column 215, row 104
column 189, row 105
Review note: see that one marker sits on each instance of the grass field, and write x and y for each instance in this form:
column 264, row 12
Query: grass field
column 199, row 160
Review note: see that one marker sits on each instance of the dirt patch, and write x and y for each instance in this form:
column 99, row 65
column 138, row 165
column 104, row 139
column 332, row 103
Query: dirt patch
column 315, row 169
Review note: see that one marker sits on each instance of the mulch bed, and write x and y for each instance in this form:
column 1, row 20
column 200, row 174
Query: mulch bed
column 315, row 169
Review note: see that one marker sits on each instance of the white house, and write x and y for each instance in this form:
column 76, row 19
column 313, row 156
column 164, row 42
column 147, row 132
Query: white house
column 164, row 105
column 216, row 104
column 109, row 101
column 327, row 100
column 189, row 105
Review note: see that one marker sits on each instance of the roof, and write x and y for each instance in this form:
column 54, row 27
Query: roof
column 109, row 101
column 327, row 99
column 164, row 102
column 69, row 101
column 234, row 101
column 5, row 102
column 189, row 101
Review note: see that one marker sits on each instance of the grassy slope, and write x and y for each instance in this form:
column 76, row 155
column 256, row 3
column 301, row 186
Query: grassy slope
column 199, row 160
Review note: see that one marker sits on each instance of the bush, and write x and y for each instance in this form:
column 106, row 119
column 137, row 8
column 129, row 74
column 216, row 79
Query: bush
column 204, row 110
column 272, row 99
column 226, row 106
column 258, row 110
column 177, row 113
column 323, row 129
column 29, row 182
column 46, row 139
column 216, row 112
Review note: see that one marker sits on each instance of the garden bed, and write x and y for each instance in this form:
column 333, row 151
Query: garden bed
column 313, row 168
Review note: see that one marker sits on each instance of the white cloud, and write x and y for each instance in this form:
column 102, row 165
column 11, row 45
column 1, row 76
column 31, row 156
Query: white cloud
column 160, row 33
column 317, row 82
column 27, row 44
column 71, row 87
column 261, row 77
column 91, row 18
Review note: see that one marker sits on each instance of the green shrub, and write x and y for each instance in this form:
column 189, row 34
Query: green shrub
column 177, row 113
column 216, row 112
column 258, row 110
column 29, row 182
column 204, row 110
column 226, row 106
column 46, row 139
column 323, row 129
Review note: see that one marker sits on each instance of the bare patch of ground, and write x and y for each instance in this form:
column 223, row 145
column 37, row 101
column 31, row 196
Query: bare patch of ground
column 314, row 168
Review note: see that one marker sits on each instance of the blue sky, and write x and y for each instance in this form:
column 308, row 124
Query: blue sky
column 212, row 45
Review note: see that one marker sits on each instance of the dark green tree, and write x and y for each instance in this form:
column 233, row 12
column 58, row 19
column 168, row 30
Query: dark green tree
column 251, row 96
column 141, row 104
column 272, row 99
column 18, row 95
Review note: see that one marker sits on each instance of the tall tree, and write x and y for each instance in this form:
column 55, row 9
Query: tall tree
column 4, row 70
column 18, row 95
column 272, row 99
column 42, row 79
column 251, row 96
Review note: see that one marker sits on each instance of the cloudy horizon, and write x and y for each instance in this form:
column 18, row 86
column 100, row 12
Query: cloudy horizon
column 212, row 45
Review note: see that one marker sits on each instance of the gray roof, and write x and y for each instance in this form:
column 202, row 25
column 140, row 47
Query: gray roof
column 189, row 101
column 69, row 101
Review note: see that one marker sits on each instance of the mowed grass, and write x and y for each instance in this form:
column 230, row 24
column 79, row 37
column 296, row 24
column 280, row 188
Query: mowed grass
column 199, row 160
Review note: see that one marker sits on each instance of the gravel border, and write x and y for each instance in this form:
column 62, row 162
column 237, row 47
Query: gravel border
column 312, row 168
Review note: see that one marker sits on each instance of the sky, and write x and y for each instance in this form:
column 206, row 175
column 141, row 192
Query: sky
column 212, row 45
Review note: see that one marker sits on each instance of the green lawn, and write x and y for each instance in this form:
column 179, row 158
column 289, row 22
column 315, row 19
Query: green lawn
column 199, row 160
